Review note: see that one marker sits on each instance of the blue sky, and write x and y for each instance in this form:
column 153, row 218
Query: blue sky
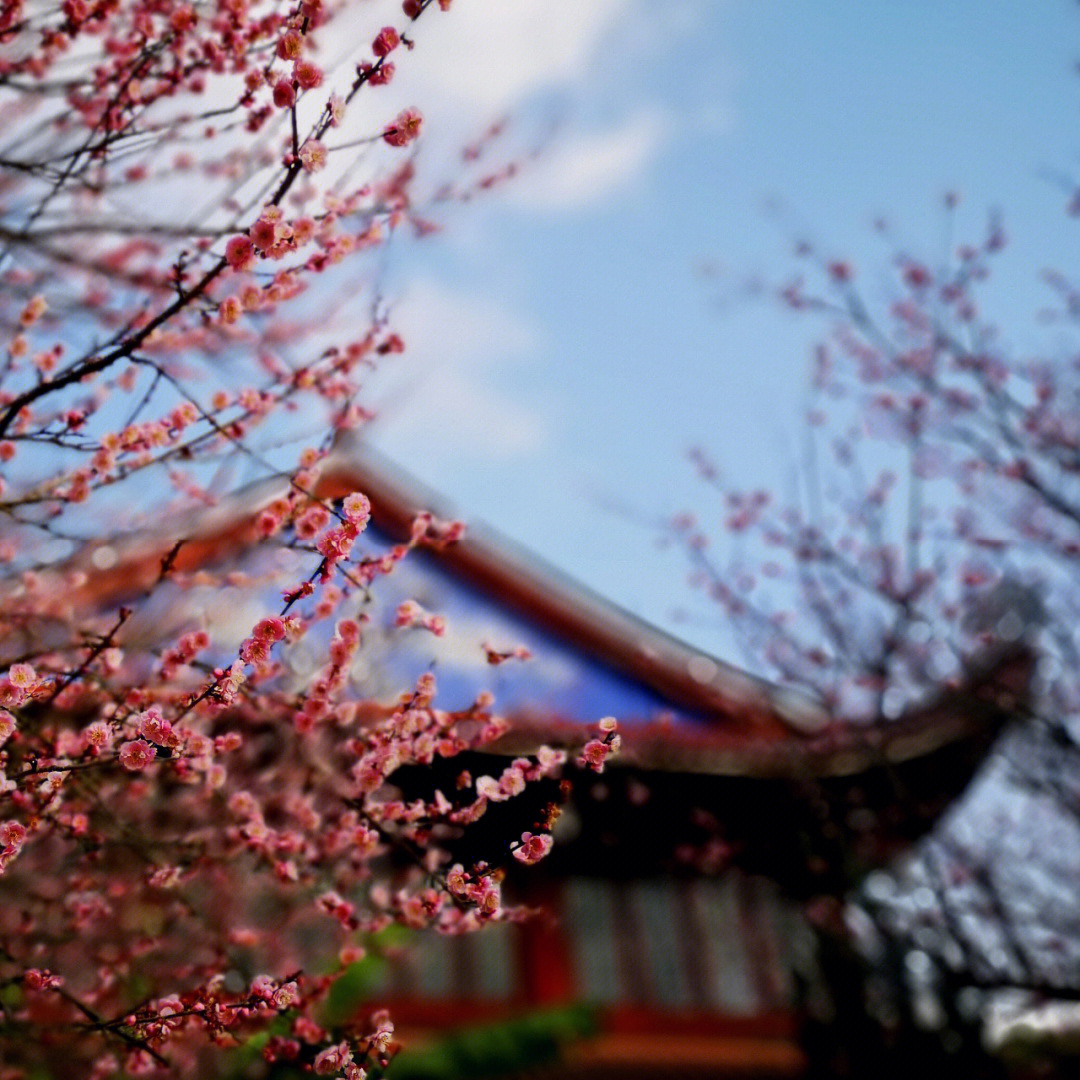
column 564, row 348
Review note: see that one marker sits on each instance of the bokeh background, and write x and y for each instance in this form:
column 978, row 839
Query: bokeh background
column 615, row 304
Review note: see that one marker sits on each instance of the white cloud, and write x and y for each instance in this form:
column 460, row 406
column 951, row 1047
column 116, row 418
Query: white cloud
column 538, row 62
column 586, row 168
column 493, row 54
column 442, row 390
column 485, row 57
column 544, row 64
column 450, row 325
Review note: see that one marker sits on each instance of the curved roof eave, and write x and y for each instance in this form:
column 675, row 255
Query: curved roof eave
column 752, row 727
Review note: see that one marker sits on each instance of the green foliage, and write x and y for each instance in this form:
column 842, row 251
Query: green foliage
column 357, row 985
column 499, row 1049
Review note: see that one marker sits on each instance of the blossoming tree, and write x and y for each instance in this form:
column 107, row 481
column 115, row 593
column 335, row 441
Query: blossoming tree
column 195, row 839
column 938, row 520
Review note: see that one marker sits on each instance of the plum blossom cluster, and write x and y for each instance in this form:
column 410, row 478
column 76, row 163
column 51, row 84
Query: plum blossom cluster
column 533, row 847
column 225, row 787
column 412, row 614
column 595, row 753
column 205, row 292
column 497, row 656
column 169, row 779
column 947, row 477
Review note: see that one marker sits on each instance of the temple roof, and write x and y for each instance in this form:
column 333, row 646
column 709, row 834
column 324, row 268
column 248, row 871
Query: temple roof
column 680, row 709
